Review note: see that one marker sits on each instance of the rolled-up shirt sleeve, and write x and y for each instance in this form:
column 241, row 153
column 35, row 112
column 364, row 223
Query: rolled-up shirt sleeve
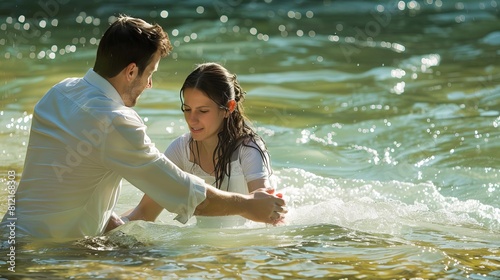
column 128, row 150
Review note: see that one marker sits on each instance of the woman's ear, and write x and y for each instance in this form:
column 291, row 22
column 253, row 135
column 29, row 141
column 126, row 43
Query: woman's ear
column 231, row 104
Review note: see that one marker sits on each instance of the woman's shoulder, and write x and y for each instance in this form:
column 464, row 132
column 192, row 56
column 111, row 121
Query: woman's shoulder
column 252, row 142
column 250, row 149
column 179, row 143
column 183, row 139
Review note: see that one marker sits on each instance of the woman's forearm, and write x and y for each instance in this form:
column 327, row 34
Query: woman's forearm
column 147, row 210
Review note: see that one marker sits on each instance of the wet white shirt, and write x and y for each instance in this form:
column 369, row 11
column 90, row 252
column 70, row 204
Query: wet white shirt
column 83, row 141
column 246, row 165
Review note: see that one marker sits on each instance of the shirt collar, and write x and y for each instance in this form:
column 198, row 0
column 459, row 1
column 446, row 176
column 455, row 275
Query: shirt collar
column 102, row 84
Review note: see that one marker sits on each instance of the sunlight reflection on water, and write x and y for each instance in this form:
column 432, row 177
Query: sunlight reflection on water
column 381, row 119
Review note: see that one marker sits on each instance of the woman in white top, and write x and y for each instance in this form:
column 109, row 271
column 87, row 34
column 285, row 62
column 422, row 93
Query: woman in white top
column 221, row 147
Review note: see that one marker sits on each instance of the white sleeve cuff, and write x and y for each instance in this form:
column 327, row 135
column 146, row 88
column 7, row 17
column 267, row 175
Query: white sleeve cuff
column 197, row 194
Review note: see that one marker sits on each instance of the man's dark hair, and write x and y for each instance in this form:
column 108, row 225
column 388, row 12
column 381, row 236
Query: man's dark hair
column 129, row 40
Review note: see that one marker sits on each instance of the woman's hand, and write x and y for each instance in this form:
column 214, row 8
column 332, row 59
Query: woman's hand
column 266, row 206
column 114, row 222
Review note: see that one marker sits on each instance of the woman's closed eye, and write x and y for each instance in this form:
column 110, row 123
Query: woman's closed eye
column 187, row 110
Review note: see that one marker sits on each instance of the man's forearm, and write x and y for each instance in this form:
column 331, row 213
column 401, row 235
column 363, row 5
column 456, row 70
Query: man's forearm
column 259, row 206
column 220, row 203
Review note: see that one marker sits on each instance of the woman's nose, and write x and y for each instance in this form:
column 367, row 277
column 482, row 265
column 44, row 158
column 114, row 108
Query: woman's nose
column 192, row 117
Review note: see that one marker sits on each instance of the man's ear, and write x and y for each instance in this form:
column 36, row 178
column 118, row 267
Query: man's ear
column 131, row 71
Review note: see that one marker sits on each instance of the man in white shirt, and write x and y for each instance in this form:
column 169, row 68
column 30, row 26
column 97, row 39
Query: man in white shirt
column 85, row 137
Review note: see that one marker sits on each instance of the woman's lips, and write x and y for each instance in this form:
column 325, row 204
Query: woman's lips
column 196, row 130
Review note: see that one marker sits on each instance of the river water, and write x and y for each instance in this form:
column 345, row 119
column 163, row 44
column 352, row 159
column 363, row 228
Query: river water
column 381, row 117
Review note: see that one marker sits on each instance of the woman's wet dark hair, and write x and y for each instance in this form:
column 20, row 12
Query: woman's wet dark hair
column 221, row 86
column 129, row 40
